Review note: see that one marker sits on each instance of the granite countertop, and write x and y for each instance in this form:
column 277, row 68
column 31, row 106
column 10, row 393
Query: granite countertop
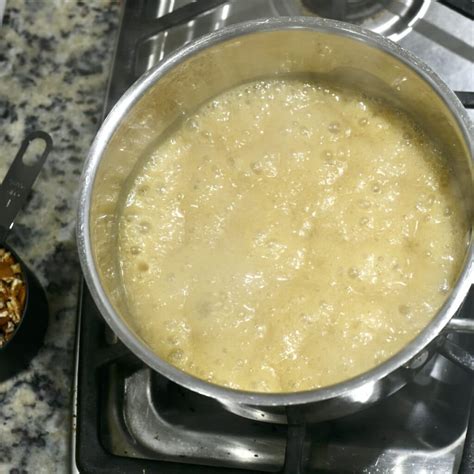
column 54, row 62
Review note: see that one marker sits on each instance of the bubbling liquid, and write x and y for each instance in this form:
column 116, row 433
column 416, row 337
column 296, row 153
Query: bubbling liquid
column 288, row 236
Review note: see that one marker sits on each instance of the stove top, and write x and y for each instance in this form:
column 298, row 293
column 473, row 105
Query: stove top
column 392, row 18
column 130, row 419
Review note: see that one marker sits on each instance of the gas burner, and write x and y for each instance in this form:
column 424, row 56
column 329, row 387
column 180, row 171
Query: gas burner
column 391, row 18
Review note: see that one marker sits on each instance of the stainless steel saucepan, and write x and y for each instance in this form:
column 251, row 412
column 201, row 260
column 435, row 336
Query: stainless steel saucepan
column 209, row 66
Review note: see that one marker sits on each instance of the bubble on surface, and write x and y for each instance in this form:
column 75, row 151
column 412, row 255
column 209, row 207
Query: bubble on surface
column 376, row 187
column 256, row 167
column 143, row 190
column 334, row 127
column 404, row 309
column 444, row 287
column 176, row 356
column 145, row 226
column 353, row 272
column 448, row 212
column 191, row 125
column 172, row 340
column 305, row 131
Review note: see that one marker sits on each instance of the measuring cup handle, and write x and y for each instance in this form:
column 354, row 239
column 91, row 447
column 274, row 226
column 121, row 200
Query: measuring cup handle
column 19, row 180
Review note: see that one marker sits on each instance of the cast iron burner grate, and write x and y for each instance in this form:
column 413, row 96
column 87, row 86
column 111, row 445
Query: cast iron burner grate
column 128, row 419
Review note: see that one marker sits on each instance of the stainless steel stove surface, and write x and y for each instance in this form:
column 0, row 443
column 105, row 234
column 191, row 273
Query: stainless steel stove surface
column 129, row 419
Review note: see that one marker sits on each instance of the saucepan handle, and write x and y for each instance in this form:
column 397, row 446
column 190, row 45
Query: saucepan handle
column 453, row 351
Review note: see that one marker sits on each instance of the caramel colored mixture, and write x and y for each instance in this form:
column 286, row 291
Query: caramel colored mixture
column 288, row 236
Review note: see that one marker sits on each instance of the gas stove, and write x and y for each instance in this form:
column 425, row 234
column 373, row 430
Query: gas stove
column 129, row 419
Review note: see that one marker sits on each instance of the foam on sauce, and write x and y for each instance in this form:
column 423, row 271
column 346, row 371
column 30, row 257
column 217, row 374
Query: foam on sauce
column 288, row 236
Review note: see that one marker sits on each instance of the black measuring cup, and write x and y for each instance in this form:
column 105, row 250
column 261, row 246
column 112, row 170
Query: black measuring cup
column 28, row 335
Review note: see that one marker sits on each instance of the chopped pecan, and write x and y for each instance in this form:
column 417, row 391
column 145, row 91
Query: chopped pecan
column 12, row 295
column 5, row 270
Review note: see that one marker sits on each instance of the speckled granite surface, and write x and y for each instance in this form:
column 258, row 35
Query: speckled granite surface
column 54, row 62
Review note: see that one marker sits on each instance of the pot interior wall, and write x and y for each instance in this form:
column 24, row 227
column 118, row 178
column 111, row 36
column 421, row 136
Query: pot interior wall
column 331, row 55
